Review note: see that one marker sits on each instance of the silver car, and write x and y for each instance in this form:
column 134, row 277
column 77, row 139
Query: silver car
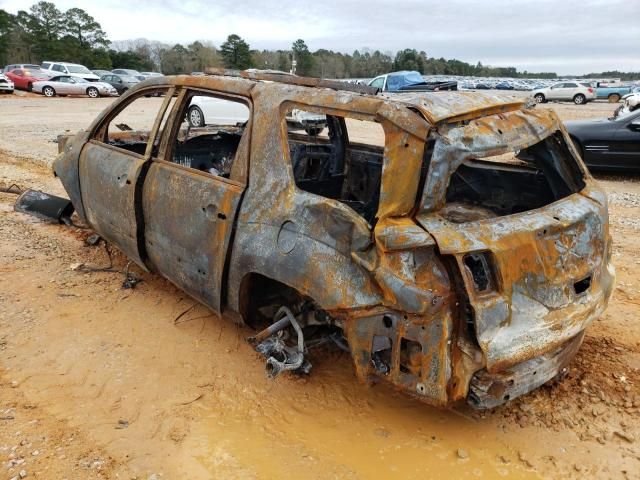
column 67, row 85
column 576, row 92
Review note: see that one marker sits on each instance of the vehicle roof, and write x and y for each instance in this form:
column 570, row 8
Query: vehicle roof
column 456, row 105
column 402, row 72
column 436, row 107
column 64, row 63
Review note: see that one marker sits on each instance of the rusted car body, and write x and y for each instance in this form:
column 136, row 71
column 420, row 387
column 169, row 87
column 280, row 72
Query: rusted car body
column 451, row 277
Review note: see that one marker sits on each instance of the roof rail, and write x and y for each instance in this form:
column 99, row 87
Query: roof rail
column 290, row 79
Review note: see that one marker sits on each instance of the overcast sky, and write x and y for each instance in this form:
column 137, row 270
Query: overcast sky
column 565, row 36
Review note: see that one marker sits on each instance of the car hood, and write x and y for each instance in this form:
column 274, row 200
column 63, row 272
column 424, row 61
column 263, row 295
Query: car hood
column 575, row 124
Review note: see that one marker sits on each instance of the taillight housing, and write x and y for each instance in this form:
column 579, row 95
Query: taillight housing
column 590, row 90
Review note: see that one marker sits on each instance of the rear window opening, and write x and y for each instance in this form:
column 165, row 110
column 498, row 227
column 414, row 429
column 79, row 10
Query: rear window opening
column 487, row 187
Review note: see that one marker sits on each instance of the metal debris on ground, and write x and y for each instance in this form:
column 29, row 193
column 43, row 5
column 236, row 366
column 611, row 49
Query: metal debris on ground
column 45, row 206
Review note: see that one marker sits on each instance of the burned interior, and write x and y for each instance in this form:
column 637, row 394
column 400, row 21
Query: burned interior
column 514, row 182
column 337, row 166
column 453, row 253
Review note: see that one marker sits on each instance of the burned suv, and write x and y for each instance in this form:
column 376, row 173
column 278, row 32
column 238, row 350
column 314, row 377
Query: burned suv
column 454, row 243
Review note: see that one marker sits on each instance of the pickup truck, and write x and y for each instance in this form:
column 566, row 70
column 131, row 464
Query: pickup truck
column 409, row 81
column 613, row 94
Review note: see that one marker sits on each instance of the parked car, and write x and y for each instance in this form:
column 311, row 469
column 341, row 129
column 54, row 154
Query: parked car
column 206, row 111
column 504, row 86
column 24, row 78
column 150, row 74
column 6, row 85
column 630, row 103
column 70, row 69
column 634, row 91
column 66, row 85
column 566, row 91
column 129, row 73
column 101, row 73
column 13, row 66
column 608, row 144
column 612, row 94
column 412, row 81
column 432, row 282
column 121, row 83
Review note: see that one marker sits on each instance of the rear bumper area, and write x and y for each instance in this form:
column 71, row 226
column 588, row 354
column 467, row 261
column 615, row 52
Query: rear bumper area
column 489, row 390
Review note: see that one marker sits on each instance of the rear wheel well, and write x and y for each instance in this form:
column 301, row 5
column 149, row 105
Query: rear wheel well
column 258, row 293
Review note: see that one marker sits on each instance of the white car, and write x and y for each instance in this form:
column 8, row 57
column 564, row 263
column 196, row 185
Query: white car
column 6, row 85
column 630, row 103
column 67, row 85
column 211, row 111
column 576, row 92
column 150, row 74
column 72, row 69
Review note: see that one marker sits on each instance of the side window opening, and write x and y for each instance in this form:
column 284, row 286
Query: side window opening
column 337, row 157
column 487, row 187
column 210, row 133
column 130, row 128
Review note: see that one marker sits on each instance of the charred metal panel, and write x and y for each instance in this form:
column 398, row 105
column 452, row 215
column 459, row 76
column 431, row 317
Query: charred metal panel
column 457, row 106
column 487, row 136
column 188, row 218
column 44, row 206
column 403, row 155
column 313, row 268
column 537, row 259
column 413, row 353
column 488, row 390
column 66, row 168
column 108, row 177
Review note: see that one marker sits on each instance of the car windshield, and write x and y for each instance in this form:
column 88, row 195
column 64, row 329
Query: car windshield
column 77, row 69
column 129, row 79
column 414, row 77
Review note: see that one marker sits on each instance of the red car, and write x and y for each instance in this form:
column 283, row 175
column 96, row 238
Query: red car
column 23, row 78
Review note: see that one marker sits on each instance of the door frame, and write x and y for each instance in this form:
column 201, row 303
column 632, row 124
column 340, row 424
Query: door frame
column 98, row 136
column 210, row 257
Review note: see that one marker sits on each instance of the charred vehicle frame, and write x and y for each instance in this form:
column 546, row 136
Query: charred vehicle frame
column 444, row 272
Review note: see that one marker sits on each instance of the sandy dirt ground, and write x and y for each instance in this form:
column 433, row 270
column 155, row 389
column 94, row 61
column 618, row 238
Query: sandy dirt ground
column 99, row 382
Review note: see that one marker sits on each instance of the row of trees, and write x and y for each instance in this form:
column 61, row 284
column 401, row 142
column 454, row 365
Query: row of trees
column 47, row 33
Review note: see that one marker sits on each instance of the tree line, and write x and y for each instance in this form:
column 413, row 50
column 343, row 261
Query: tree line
column 47, row 33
